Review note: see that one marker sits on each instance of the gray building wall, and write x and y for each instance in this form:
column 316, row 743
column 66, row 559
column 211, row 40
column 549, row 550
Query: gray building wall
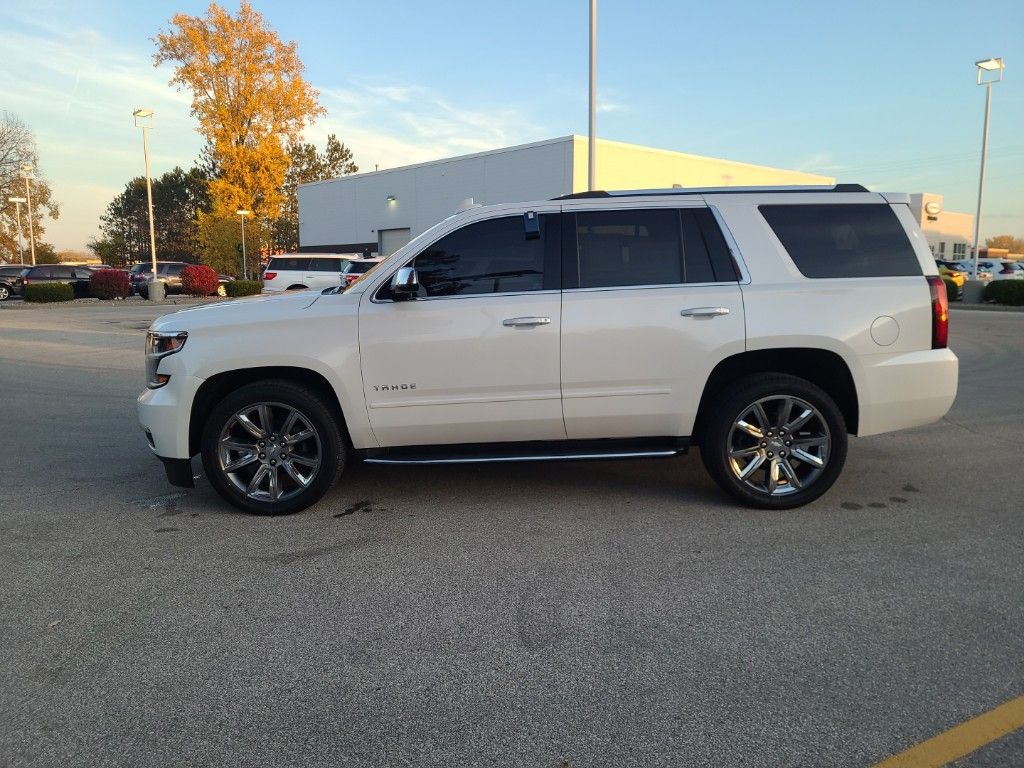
column 348, row 213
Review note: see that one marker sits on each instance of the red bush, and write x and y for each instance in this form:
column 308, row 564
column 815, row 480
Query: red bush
column 199, row 280
column 110, row 284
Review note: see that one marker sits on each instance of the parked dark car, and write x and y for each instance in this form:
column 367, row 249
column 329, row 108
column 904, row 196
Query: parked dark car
column 169, row 273
column 10, row 284
column 76, row 277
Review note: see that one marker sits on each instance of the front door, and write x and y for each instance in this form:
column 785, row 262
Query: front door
column 652, row 305
column 475, row 358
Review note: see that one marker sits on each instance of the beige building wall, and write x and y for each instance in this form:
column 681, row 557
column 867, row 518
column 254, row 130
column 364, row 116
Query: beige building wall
column 949, row 234
column 630, row 166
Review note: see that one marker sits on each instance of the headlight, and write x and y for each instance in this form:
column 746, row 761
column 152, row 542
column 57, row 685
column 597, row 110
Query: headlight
column 159, row 346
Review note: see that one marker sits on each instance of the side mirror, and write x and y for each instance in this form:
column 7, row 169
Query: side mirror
column 405, row 286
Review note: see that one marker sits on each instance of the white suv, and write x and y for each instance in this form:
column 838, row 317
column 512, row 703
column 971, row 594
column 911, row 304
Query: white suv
column 763, row 325
column 299, row 271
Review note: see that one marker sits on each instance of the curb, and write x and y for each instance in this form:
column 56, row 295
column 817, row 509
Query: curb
column 986, row 307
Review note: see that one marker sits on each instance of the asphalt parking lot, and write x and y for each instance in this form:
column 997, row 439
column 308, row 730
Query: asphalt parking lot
column 590, row 614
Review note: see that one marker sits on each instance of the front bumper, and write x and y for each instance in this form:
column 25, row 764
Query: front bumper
column 164, row 415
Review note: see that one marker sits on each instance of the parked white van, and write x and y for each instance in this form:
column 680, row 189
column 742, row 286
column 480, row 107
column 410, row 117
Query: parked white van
column 299, row 271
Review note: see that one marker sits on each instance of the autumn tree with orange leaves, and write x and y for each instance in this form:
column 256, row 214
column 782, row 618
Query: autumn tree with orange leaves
column 250, row 99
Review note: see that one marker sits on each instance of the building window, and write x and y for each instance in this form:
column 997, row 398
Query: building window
column 959, row 249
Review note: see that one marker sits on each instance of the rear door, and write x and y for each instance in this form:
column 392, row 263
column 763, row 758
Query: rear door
column 323, row 272
column 475, row 358
column 652, row 303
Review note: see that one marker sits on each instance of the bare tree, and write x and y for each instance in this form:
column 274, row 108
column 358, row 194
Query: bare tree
column 18, row 148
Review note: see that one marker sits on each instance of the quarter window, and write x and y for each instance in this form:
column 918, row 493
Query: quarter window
column 492, row 256
column 836, row 240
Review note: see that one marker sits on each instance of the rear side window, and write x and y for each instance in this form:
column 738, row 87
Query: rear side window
column 325, row 265
column 843, row 240
column 629, row 247
column 660, row 246
column 288, row 263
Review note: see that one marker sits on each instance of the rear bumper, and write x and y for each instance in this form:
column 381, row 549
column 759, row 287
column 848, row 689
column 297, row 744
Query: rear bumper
column 906, row 390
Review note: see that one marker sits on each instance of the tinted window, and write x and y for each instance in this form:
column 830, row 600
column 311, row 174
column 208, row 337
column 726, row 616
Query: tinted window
column 491, row 256
column 359, row 267
column 10, row 271
column 325, row 265
column 82, row 274
column 173, row 270
column 61, row 273
column 286, row 263
column 843, row 240
column 628, row 247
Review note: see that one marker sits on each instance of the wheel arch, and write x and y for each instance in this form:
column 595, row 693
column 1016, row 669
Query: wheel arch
column 822, row 367
column 216, row 387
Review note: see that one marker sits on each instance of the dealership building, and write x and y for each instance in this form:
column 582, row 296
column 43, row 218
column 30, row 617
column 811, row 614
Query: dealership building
column 381, row 211
column 949, row 234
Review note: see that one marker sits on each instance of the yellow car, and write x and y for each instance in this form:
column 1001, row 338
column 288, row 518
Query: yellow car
column 958, row 277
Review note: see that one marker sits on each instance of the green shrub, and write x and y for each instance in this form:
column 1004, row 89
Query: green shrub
column 243, row 287
column 952, row 291
column 1009, row 292
column 44, row 293
column 110, row 284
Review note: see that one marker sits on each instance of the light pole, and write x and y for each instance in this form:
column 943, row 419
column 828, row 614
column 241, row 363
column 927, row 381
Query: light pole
column 242, row 213
column 592, row 128
column 985, row 68
column 26, row 171
column 17, row 212
column 144, row 120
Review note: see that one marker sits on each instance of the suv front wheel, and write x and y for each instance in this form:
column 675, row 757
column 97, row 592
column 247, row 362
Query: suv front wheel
column 272, row 447
column 774, row 441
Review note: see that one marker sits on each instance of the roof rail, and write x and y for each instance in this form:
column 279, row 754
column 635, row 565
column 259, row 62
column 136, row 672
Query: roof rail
column 713, row 191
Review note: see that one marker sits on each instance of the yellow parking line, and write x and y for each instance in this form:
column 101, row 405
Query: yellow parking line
column 961, row 740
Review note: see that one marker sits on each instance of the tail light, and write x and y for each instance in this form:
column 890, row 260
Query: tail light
column 269, row 275
column 940, row 312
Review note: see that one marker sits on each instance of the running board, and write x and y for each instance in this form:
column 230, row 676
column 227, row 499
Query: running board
column 554, row 450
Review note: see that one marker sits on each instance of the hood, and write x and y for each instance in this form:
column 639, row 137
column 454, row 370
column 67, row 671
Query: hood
column 243, row 310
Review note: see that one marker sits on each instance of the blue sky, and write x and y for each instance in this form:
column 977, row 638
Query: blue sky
column 880, row 93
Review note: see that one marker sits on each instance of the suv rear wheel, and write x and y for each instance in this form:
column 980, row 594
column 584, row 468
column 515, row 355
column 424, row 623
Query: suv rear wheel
column 272, row 447
column 774, row 441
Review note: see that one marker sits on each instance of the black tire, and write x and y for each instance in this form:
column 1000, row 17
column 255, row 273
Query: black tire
column 5, row 293
column 721, row 427
column 297, row 288
column 281, row 395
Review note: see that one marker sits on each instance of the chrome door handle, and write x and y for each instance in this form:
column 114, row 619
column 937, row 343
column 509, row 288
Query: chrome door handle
column 704, row 311
column 517, row 322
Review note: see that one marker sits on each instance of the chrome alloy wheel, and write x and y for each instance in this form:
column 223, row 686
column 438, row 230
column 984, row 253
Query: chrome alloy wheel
column 779, row 445
column 270, row 451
